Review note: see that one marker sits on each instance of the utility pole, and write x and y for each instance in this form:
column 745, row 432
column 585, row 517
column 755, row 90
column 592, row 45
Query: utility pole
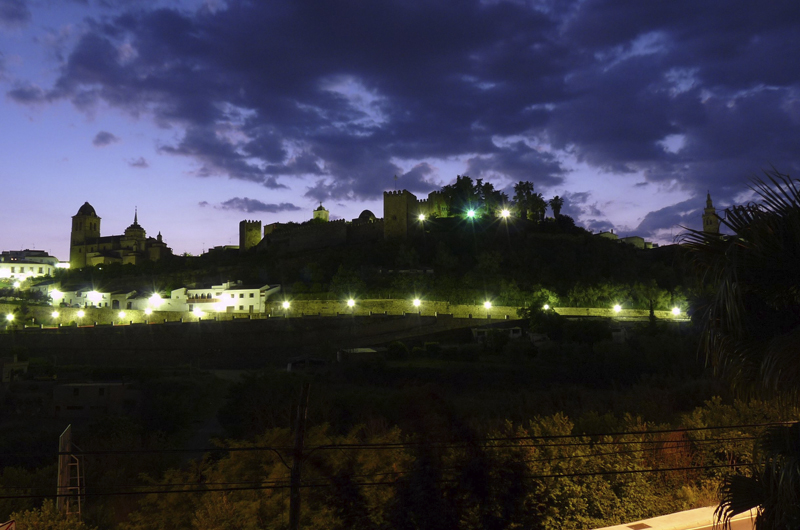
column 297, row 459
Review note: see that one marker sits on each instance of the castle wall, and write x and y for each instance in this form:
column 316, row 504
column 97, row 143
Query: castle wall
column 307, row 237
column 363, row 232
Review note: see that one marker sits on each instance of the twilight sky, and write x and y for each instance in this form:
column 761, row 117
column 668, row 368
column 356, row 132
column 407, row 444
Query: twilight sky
column 204, row 113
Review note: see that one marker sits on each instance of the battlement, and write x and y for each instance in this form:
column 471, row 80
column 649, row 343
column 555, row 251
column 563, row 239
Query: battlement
column 249, row 234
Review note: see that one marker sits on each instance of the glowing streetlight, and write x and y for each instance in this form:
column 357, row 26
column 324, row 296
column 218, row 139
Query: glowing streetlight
column 617, row 308
column 55, row 294
column 505, row 214
column 417, row 302
column 546, row 307
column 421, row 217
column 81, row 313
column 218, row 307
column 54, row 314
column 94, row 296
column 676, row 311
column 487, row 304
column 471, row 213
column 351, row 303
column 148, row 311
column 197, row 312
column 155, row 300
column 121, row 314
column 16, row 285
column 285, row 304
column 10, row 317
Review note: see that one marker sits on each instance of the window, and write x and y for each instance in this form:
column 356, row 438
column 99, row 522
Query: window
column 191, row 307
column 241, row 295
column 251, row 295
column 40, row 270
column 241, row 308
column 232, row 295
column 12, row 269
column 22, row 269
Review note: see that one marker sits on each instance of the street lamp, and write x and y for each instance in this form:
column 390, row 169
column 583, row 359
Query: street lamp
column 471, row 213
column 617, row 308
column 417, row 302
column 351, row 303
column 81, row 313
column 10, row 317
column 156, row 300
column 56, row 295
column 148, row 311
column 505, row 214
column 546, row 307
column 676, row 311
column 286, row 304
column 54, row 314
column 421, row 217
column 121, row 315
column 197, row 312
column 487, row 304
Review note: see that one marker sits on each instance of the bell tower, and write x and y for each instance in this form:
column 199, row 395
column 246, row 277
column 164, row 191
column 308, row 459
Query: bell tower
column 85, row 229
column 710, row 218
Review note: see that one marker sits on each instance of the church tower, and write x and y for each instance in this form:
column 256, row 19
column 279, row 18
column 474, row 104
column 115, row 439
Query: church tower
column 710, row 219
column 321, row 213
column 85, row 229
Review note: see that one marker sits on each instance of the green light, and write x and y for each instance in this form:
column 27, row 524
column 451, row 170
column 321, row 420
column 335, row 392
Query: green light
column 471, row 214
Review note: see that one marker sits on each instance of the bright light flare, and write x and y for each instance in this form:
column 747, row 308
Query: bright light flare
column 676, row 311
column 505, row 214
column 55, row 294
column 546, row 307
column 156, row 300
column 487, row 304
column 10, row 317
column 471, row 213
column 286, row 304
column 148, row 311
column 417, row 302
column 617, row 308
column 197, row 312
column 54, row 314
column 81, row 313
column 219, row 307
column 421, row 217
column 16, row 285
column 94, row 296
column 351, row 303
column 121, row 314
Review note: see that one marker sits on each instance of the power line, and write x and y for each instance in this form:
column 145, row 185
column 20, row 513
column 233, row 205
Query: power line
column 367, row 484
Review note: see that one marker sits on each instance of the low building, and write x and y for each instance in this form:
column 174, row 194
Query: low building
column 228, row 297
column 21, row 265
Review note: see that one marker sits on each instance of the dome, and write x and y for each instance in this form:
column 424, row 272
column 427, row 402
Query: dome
column 320, row 208
column 87, row 209
column 366, row 215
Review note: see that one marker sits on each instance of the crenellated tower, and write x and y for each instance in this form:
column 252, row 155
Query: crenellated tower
column 249, row 235
column 400, row 211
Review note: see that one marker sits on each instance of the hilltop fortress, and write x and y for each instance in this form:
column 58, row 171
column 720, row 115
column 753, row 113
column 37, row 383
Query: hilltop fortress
column 401, row 219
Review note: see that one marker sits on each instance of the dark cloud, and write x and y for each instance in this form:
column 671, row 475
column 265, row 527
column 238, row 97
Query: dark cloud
column 104, row 138
column 687, row 214
column 244, row 204
column 680, row 92
column 14, row 13
column 27, row 94
column 139, row 162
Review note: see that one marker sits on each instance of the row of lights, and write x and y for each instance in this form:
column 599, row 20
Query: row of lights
column 504, row 213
